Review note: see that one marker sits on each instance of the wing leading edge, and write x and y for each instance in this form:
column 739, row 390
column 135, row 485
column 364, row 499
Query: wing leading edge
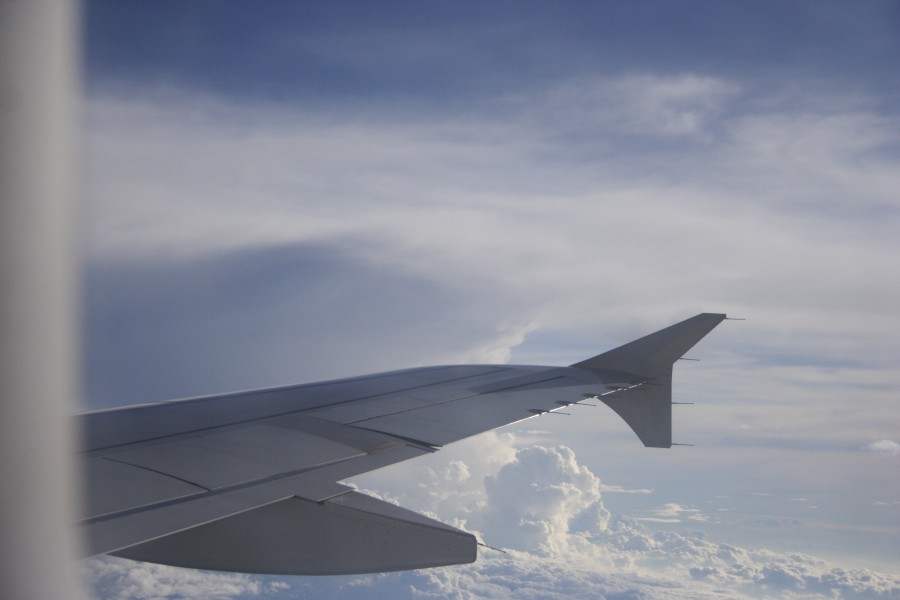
column 249, row 481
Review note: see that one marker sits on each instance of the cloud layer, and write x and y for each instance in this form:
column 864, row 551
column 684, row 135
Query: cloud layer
column 559, row 540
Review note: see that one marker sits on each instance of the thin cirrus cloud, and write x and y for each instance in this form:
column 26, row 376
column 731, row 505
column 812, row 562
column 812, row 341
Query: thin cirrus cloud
column 458, row 199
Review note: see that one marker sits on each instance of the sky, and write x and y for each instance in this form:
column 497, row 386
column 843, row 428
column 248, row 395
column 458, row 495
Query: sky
column 280, row 192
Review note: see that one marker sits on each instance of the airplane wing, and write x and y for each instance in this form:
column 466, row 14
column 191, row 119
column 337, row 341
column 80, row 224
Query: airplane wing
column 250, row 481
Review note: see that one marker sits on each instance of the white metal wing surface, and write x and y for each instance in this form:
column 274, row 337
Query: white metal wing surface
column 250, row 481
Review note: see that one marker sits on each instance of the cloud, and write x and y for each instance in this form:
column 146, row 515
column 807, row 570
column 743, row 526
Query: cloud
column 119, row 579
column 674, row 513
column 654, row 106
column 617, row 489
column 181, row 319
column 885, row 447
column 453, row 198
column 561, row 542
column 532, row 500
column 499, row 349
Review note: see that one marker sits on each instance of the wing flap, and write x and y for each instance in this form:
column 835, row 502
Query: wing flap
column 110, row 532
column 114, row 486
column 352, row 533
column 133, row 477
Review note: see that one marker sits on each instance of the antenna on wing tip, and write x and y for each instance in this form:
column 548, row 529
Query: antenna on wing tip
column 483, row 545
column 735, row 319
column 674, row 444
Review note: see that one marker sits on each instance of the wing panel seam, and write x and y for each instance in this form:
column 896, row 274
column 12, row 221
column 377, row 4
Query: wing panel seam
column 458, row 398
column 208, row 492
column 100, row 449
column 157, row 471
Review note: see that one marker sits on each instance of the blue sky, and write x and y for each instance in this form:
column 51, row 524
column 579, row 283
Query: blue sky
column 283, row 192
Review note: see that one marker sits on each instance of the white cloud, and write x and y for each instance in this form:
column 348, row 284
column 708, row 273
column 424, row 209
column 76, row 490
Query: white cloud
column 885, row 447
column 673, row 512
column 681, row 105
column 119, row 579
column 532, row 500
column 506, row 205
column 617, row 489
column 498, row 349
column 565, row 544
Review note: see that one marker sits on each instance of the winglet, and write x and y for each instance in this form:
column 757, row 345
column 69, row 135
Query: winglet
column 655, row 354
column 650, row 359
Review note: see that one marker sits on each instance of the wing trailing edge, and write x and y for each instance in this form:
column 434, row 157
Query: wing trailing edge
column 644, row 367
